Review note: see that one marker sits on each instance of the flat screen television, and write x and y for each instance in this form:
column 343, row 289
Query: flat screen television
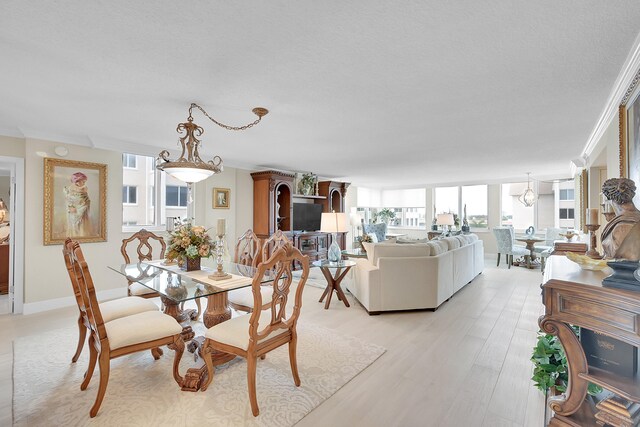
column 306, row 217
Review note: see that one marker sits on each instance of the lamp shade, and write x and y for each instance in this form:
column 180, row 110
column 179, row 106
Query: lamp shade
column 355, row 219
column 334, row 222
column 445, row 219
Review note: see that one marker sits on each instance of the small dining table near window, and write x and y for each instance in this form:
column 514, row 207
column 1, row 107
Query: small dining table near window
column 176, row 286
column 530, row 241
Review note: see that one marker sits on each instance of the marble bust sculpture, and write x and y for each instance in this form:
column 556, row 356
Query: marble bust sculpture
column 621, row 236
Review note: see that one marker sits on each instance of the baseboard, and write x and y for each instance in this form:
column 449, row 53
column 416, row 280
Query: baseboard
column 52, row 304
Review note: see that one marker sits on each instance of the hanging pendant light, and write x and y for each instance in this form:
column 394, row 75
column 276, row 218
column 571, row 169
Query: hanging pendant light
column 192, row 168
column 528, row 198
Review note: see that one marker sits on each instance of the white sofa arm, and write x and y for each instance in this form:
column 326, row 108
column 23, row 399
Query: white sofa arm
column 366, row 286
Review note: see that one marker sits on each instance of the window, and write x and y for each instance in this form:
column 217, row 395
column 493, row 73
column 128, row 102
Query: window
column 147, row 203
column 514, row 213
column 129, row 195
column 446, row 200
column 474, row 197
column 129, row 161
column 566, row 213
column 566, row 194
column 176, row 195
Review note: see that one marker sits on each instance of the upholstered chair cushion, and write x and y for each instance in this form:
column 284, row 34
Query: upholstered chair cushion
column 380, row 230
column 127, row 306
column 235, row 332
column 138, row 289
column 374, row 238
column 452, row 242
column 244, row 296
column 139, row 328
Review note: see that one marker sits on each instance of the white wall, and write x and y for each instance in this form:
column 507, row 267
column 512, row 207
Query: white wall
column 46, row 279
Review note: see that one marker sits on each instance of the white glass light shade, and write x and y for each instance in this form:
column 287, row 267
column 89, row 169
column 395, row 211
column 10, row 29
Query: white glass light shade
column 445, row 219
column 334, row 222
column 190, row 175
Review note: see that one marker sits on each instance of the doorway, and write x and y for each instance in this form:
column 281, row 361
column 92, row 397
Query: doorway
column 11, row 235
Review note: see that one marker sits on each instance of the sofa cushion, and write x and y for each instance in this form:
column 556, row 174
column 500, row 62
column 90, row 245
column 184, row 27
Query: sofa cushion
column 452, row 242
column 462, row 240
column 472, row 237
column 392, row 250
column 407, row 241
column 436, row 248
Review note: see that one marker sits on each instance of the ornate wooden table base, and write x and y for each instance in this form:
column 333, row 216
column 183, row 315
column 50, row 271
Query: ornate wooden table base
column 333, row 283
column 184, row 317
column 217, row 311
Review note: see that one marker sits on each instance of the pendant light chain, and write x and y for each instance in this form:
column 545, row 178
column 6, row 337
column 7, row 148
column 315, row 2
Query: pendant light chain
column 258, row 111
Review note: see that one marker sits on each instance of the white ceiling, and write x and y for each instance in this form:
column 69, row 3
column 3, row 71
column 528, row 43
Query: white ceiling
column 388, row 94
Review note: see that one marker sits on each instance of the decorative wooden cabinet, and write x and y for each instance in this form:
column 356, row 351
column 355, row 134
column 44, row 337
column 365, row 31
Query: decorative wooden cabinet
column 273, row 198
column 272, row 202
column 335, row 193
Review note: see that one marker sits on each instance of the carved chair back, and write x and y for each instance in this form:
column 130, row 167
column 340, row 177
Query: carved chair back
column 248, row 249
column 80, row 275
column 275, row 241
column 280, row 264
column 144, row 248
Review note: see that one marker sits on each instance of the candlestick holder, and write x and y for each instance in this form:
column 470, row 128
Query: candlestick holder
column 593, row 242
column 219, row 274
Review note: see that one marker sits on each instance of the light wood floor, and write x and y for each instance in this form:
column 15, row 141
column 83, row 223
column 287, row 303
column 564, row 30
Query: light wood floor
column 467, row 364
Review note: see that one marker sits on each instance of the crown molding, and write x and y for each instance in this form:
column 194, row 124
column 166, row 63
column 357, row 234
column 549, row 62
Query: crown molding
column 627, row 74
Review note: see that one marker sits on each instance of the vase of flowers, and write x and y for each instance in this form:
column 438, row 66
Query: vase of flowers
column 188, row 244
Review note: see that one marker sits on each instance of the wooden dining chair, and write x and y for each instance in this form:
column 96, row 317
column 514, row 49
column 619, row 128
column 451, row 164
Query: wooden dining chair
column 242, row 299
column 111, row 310
column 144, row 250
column 247, row 252
column 254, row 335
column 108, row 340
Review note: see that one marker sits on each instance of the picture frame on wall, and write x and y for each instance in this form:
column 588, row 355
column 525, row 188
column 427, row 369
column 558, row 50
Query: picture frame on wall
column 629, row 115
column 221, row 198
column 75, row 201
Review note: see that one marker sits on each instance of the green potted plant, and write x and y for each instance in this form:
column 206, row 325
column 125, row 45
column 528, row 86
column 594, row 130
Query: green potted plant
column 550, row 372
column 386, row 215
column 307, row 184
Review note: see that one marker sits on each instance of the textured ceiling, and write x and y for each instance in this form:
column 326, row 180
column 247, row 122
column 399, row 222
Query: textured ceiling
column 385, row 94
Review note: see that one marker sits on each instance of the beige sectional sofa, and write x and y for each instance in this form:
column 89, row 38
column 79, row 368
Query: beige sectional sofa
column 416, row 276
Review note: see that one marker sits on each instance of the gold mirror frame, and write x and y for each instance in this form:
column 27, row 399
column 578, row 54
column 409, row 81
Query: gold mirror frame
column 630, row 96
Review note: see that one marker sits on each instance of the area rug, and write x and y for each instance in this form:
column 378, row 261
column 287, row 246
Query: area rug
column 142, row 392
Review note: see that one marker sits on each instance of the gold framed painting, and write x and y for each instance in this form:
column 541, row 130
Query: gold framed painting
column 75, row 201
column 629, row 115
column 221, row 198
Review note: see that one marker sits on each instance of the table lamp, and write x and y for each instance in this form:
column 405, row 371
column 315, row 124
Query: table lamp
column 445, row 219
column 334, row 222
column 356, row 221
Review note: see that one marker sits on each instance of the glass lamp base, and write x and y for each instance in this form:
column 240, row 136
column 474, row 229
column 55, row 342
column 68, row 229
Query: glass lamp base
column 334, row 254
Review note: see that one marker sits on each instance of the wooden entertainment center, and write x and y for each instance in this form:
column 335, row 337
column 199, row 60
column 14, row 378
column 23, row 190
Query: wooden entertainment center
column 273, row 199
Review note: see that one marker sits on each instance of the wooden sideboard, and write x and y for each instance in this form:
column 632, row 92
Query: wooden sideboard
column 573, row 296
column 560, row 247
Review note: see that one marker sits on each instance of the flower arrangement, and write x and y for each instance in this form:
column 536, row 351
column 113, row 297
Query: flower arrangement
column 189, row 241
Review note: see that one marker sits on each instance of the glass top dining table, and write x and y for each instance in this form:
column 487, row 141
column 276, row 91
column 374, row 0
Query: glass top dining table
column 172, row 282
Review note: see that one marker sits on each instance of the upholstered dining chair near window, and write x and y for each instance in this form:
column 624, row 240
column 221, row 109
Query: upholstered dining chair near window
column 111, row 310
column 253, row 335
column 505, row 239
column 247, row 252
column 107, row 340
